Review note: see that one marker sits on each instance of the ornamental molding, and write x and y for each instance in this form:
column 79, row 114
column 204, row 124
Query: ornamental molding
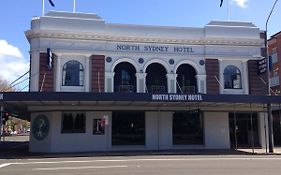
column 54, row 34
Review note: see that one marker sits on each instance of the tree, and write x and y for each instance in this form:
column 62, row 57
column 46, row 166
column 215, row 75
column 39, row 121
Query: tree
column 5, row 86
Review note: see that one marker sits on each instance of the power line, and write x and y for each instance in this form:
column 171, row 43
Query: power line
column 19, row 78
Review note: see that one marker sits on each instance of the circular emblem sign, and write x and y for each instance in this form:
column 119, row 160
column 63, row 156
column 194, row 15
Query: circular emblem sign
column 40, row 127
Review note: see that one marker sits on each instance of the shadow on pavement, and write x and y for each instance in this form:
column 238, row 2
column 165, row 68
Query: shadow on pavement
column 19, row 150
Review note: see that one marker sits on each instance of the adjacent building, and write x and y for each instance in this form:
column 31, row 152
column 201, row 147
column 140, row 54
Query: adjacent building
column 274, row 50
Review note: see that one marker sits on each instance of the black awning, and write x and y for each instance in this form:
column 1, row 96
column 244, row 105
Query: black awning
column 135, row 97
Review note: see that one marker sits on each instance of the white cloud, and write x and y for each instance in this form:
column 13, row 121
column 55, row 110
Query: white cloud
column 12, row 62
column 241, row 3
column 9, row 50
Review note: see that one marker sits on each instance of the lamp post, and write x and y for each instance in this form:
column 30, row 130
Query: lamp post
column 269, row 112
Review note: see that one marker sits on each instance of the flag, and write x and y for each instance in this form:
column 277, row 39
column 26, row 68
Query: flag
column 49, row 59
column 51, row 2
column 221, row 3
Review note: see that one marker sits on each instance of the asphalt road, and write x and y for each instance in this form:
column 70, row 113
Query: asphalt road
column 143, row 165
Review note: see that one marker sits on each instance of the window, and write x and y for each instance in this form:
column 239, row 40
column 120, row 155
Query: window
column 73, row 74
column 187, row 128
column 98, row 126
column 125, row 76
column 128, row 128
column 73, row 123
column 232, row 78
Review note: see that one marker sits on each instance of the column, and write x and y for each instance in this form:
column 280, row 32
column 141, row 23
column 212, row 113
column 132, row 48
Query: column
column 109, row 82
column 34, row 72
column 87, row 74
column 172, row 86
column 58, row 73
column 141, row 83
column 201, row 83
column 245, row 77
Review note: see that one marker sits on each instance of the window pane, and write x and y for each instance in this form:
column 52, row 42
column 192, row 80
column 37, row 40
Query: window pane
column 128, row 128
column 79, row 126
column 187, row 128
column 232, row 78
column 73, row 74
column 67, row 123
column 73, row 123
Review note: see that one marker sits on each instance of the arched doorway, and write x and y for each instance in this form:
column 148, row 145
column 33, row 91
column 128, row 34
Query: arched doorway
column 186, row 79
column 125, row 78
column 156, row 80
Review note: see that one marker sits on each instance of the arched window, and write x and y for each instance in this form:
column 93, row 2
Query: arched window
column 156, row 78
column 186, row 79
column 73, row 74
column 125, row 78
column 232, row 78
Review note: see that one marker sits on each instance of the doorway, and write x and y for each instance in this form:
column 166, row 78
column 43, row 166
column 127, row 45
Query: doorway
column 243, row 130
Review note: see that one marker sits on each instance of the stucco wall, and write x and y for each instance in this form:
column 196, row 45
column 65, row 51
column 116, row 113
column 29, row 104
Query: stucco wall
column 80, row 142
column 45, row 144
column 216, row 130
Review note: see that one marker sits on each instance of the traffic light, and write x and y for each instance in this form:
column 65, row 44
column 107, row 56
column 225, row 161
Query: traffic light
column 5, row 117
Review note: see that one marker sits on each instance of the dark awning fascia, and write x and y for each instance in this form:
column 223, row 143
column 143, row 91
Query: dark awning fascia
column 89, row 96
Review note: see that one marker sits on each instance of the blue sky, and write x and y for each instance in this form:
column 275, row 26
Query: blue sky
column 15, row 17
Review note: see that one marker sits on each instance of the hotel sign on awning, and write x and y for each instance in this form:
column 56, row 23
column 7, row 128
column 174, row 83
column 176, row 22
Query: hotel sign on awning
column 177, row 97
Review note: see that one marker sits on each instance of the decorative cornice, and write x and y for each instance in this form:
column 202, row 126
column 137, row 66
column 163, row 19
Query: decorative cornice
column 115, row 38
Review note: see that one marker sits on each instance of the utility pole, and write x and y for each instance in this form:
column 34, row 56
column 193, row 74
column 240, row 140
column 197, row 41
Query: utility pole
column 1, row 121
column 269, row 110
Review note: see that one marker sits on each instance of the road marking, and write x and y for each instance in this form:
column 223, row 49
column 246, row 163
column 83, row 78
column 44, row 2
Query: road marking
column 148, row 159
column 4, row 165
column 79, row 168
column 151, row 159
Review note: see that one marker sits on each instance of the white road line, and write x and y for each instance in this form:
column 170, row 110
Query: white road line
column 79, row 168
column 152, row 159
column 4, row 165
column 148, row 159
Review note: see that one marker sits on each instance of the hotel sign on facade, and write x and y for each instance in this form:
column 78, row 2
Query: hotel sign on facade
column 154, row 48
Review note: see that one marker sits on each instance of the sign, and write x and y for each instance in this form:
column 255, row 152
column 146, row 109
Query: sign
column 262, row 66
column 49, row 58
column 106, row 119
column 154, row 48
column 177, row 97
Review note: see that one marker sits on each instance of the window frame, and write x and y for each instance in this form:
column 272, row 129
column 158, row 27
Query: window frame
column 229, row 76
column 75, row 126
column 80, row 76
column 196, row 137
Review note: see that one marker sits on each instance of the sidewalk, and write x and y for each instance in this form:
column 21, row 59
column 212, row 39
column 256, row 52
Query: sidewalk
column 261, row 151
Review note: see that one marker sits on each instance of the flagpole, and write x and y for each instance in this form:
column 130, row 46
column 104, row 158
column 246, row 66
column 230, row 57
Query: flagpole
column 43, row 7
column 74, row 6
column 228, row 11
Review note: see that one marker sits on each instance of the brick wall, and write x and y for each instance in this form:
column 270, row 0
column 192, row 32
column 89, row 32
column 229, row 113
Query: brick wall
column 212, row 71
column 97, row 74
column 256, row 82
column 48, row 85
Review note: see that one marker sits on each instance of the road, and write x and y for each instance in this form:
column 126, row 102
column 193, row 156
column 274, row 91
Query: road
column 143, row 165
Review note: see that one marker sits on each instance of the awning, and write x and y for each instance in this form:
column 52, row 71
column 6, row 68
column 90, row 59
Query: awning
column 24, row 102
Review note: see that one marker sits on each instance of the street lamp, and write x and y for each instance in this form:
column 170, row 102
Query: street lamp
column 270, row 120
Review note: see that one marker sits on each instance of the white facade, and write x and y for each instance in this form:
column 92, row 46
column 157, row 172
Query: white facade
column 73, row 36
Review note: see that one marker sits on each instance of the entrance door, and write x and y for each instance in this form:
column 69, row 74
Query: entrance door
column 277, row 127
column 128, row 128
column 243, row 130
